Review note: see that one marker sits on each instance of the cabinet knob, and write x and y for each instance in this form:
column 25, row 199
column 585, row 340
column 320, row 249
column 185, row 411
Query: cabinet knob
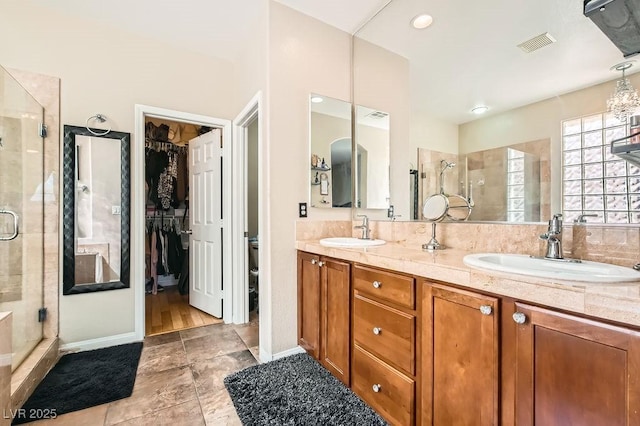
column 376, row 388
column 377, row 284
column 313, row 261
column 377, row 330
column 486, row 310
column 519, row 318
column 321, row 264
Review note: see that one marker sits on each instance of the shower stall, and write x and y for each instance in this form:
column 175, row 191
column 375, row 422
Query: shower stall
column 23, row 192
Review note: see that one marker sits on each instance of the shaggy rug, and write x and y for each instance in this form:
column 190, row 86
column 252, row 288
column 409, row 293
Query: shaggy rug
column 82, row 380
column 296, row 390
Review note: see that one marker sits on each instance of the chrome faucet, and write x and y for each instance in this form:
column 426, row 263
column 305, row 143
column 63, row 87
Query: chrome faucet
column 553, row 238
column 582, row 218
column 366, row 232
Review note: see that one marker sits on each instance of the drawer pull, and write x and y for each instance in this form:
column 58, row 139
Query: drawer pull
column 376, row 388
column 377, row 330
column 519, row 318
column 313, row 261
column 377, row 284
column 321, row 264
column 486, row 310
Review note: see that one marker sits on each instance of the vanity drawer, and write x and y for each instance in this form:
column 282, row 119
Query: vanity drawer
column 387, row 286
column 386, row 332
column 388, row 391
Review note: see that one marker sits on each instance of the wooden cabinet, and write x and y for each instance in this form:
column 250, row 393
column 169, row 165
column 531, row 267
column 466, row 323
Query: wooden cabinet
column 574, row 371
column 384, row 343
column 460, row 350
column 435, row 354
column 335, row 339
column 324, row 311
column 309, row 303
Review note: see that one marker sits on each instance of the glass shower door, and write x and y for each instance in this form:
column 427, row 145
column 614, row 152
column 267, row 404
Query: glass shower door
column 22, row 196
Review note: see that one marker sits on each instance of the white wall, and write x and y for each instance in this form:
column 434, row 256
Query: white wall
column 306, row 56
column 106, row 70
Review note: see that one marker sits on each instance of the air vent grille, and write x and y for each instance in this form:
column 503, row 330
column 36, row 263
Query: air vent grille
column 377, row 115
column 537, row 42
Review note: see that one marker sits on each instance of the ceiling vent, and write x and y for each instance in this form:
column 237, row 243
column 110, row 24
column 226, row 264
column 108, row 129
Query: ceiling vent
column 536, row 42
column 377, row 115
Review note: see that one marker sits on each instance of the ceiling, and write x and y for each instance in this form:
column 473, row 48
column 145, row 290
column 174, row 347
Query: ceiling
column 467, row 57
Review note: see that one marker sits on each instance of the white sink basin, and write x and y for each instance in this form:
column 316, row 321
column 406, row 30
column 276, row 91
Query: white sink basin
column 525, row 265
column 350, row 242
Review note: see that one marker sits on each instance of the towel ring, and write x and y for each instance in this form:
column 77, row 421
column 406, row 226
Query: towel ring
column 98, row 117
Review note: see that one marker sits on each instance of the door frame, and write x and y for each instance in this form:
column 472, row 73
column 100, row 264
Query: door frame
column 253, row 109
column 138, row 208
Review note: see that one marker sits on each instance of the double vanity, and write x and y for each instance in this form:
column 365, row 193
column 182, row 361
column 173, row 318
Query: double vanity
column 453, row 337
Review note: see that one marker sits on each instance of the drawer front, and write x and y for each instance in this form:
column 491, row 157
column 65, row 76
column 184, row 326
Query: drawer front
column 388, row 391
column 386, row 286
column 386, row 332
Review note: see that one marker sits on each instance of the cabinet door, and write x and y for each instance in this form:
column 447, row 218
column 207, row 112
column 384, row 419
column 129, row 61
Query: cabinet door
column 334, row 335
column 460, row 357
column 309, row 303
column 574, row 371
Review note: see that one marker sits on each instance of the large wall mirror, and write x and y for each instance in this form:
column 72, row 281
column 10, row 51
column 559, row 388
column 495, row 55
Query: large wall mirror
column 542, row 69
column 372, row 160
column 96, row 179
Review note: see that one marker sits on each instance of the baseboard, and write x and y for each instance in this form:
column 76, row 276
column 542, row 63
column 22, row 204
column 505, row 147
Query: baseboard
column 288, row 352
column 101, row 342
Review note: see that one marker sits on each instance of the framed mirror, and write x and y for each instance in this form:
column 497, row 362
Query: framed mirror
column 330, row 145
column 96, row 210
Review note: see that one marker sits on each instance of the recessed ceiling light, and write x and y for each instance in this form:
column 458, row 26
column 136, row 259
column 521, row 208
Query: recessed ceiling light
column 422, row 21
column 480, row 109
column 316, row 99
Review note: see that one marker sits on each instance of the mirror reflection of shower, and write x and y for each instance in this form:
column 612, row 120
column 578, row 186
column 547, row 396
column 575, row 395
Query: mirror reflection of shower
column 444, row 166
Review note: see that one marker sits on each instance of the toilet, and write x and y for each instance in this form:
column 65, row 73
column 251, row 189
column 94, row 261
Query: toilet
column 253, row 272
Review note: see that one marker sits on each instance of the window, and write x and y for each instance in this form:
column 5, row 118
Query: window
column 515, row 185
column 594, row 181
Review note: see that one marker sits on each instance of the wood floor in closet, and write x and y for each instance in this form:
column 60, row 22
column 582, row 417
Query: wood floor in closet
column 170, row 311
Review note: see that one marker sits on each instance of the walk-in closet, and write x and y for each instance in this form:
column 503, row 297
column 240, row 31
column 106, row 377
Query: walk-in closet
column 167, row 242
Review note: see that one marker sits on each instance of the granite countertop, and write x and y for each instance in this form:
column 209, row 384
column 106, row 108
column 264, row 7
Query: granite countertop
column 619, row 302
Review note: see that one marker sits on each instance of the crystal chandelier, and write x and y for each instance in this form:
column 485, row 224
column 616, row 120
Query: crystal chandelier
column 624, row 101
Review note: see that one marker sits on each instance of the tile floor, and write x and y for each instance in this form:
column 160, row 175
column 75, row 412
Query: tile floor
column 180, row 380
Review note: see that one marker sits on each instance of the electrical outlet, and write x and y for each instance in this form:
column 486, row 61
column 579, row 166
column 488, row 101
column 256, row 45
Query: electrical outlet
column 115, row 210
column 302, row 209
column 390, row 211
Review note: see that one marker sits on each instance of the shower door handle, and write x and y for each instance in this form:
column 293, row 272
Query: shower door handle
column 15, row 225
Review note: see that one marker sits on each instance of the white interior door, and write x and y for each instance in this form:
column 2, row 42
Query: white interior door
column 205, row 218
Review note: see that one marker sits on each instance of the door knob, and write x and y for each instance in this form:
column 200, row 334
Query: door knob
column 188, row 231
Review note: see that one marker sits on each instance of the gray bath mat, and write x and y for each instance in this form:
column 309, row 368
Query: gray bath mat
column 296, row 390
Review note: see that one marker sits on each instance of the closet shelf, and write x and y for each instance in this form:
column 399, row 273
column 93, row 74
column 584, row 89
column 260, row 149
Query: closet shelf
column 320, row 168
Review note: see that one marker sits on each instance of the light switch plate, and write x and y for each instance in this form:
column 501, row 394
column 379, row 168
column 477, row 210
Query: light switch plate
column 115, row 210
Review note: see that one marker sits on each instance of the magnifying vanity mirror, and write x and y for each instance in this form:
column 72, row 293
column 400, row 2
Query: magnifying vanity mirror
column 96, row 210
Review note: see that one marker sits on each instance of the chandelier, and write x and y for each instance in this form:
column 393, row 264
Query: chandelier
column 624, row 101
